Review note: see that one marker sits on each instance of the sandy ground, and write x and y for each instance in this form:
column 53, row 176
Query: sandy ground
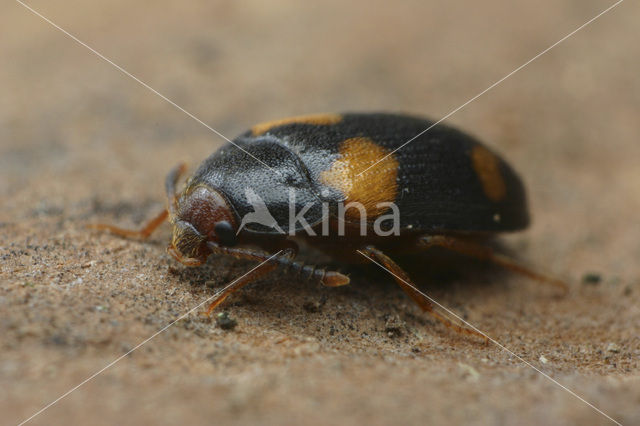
column 80, row 142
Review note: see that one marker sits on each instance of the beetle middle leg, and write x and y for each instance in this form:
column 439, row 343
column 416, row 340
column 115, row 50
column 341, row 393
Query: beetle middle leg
column 144, row 233
column 483, row 252
column 403, row 280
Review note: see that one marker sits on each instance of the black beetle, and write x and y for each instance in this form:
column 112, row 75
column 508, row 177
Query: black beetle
column 346, row 175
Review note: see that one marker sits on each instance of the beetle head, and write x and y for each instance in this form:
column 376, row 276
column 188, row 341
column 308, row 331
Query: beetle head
column 202, row 215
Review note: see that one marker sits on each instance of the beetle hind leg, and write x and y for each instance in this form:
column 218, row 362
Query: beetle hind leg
column 482, row 252
column 403, row 280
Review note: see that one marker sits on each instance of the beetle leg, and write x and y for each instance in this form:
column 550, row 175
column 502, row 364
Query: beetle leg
column 286, row 259
column 403, row 280
column 482, row 252
column 143, row 233
column 238, row 284
column 170, row 183
column 152, row 225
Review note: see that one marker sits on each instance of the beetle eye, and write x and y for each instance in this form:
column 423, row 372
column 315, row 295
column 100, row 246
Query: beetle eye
column 225, row 233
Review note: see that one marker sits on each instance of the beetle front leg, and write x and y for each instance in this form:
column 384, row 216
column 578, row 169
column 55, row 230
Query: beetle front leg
column 142, row 233
column 152, row 225
column 403, row 280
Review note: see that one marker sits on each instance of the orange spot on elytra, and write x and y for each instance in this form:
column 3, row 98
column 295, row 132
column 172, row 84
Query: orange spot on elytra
column 318, row 119
column 487, row 167
column 374, row 186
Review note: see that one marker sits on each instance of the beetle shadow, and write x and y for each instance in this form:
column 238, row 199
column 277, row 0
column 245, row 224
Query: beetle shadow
column 279, row 297
column 454, row 274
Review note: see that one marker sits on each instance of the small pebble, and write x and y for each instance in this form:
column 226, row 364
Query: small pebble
column 312, row 307
column 394, row 326
column 613, row 347
column 592, row 278
column 543, row 359
column 225, row 322
column 469, row 371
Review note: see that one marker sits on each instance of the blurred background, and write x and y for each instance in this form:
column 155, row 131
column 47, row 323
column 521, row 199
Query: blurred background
column 80, row 141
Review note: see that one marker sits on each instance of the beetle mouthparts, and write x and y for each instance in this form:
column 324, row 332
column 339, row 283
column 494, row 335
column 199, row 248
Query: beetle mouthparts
column 188, row 261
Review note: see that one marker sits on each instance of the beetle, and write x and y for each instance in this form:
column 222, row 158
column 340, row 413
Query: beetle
column 449, row 189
